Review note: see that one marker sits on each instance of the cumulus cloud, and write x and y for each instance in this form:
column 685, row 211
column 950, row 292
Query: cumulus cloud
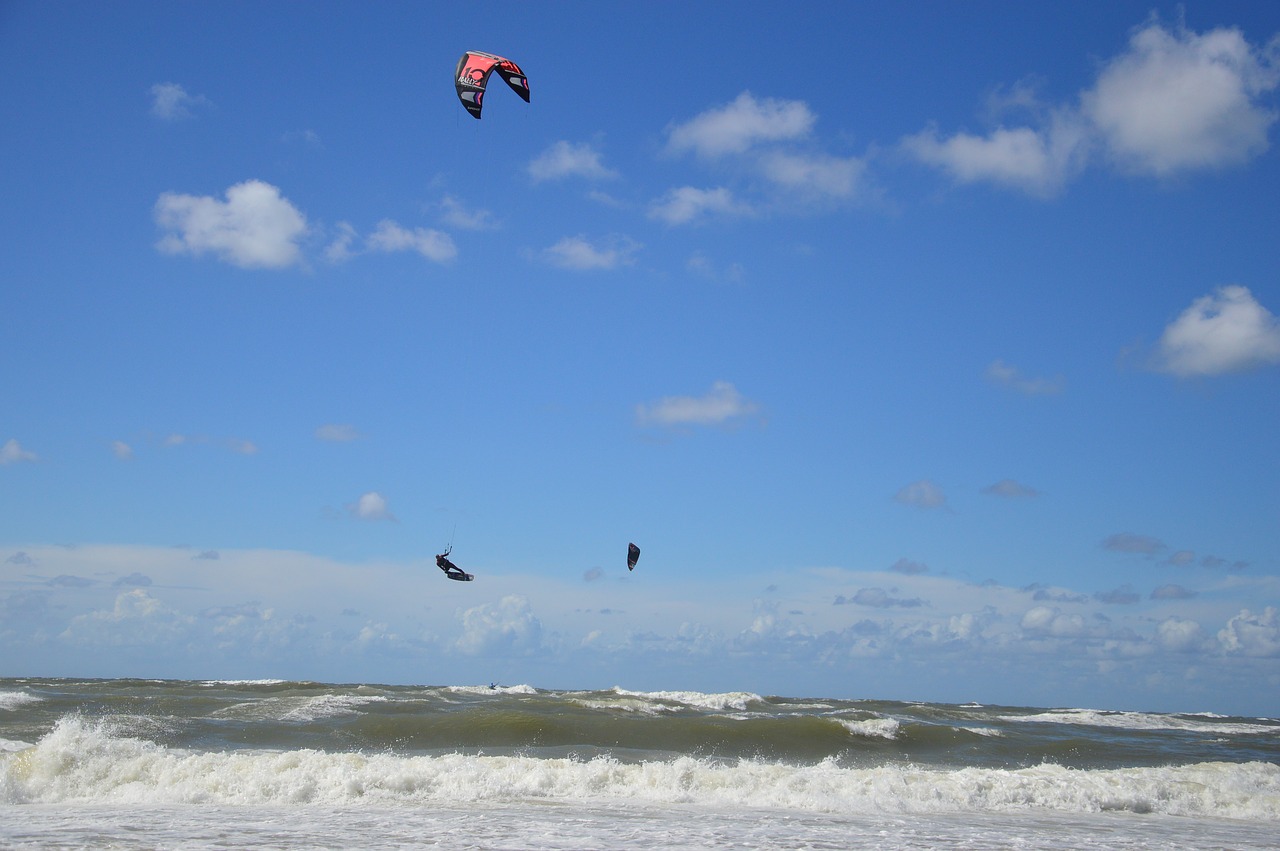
column 1252, row 635
column 1173, row 101
column 921, row 494
column 1009, row 489
column 254, row 228
column 565, row 159
column 580, row 254
column 999, row 372
column 1225, row 331
column 371, row 506
column 1036, row 161
column 721, row 404
column 12, row 453
column 136, row 619
column 508, row 627
column 1179, row 100
column 813, row 175
column 432, row 244
column 453, row 212
column 1050, row 622
column 737, row 126
column 1179, row 634
column 688, row 204
column 171, row 102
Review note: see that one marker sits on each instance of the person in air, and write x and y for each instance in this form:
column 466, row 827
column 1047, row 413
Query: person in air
column 450, row 569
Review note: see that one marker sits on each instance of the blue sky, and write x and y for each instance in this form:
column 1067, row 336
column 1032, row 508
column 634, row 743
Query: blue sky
column 927, row 350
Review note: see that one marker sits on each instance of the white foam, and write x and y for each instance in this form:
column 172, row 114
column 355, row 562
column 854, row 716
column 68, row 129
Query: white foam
column 1142, row 721
column 297, row 709
column 79, row 763
column 736, row 700
column 11, row 700
column 873, row 728
column 492, row 689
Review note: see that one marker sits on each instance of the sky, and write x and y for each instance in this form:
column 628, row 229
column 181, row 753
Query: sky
column 929, row 351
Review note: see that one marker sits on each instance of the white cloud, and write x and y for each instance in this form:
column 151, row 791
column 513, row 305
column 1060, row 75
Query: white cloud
column 922, row 494
column 999, row 372
column 508, row 627
column 255, row 228
column 339, row 250
column 1179, row 634
column 721, row 404
column 1173, row 101
column 337, row 433
column 137, row 618
column 1178, row 100
column 1252, row 635
column 687, row 204
column 430, row 243
column 12, row 452
column 456, row 214
column 565, row 159
column 171, row 101
column 371, row 506
column 1036, row 161
column 579, row 253
column 813, row 175
column 1226, row 331
column 741, row 124
column 1049, row 621
column 122, row 450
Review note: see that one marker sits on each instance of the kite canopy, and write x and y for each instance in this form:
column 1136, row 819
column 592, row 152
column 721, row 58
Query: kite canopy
column 473, row 73
column 633, row 556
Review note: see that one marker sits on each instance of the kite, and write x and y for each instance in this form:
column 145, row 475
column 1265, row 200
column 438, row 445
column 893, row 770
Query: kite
column 473, row 73
column 633, row 556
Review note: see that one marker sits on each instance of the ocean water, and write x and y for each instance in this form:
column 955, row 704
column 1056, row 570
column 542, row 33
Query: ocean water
column 268, row 764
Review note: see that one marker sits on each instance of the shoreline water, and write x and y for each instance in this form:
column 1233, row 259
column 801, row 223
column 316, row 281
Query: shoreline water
column 132, row 763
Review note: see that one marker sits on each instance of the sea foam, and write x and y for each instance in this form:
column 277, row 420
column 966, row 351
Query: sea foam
column 81, row 762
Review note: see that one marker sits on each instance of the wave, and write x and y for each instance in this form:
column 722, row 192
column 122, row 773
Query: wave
column 734, row 700
column 298, row 709
column 12, row 700
column 80, row 762
column 1200, row 723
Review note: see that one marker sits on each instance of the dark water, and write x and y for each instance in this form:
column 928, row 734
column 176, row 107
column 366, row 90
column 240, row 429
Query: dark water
column 629, row 726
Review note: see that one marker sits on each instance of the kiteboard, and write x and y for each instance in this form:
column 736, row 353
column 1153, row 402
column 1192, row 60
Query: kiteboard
column 461, row 577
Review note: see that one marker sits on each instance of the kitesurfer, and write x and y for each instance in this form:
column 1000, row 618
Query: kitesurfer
column 450, row 569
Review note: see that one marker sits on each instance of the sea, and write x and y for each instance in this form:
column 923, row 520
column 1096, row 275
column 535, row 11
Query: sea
column 148, row 764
